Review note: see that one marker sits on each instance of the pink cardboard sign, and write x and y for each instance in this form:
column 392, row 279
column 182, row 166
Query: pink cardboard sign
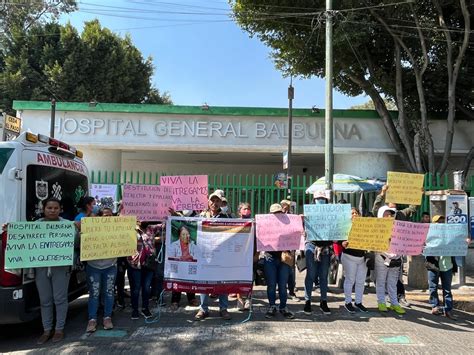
column 279, row 232
column 146, row 202
column 189, row 191
column 408, row 238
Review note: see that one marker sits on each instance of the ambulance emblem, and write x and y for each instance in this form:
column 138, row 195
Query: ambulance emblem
column 42, row 190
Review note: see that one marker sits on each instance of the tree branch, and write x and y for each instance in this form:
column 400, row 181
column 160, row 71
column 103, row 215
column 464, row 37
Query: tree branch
column 421, row 95
column 401, row 106
column 453, row 72
column 382, row 110
column 422, row 42
column 467, row 165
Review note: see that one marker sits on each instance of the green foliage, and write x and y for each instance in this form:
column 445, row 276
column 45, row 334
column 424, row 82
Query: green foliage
column 295, row 30
column 50, row 60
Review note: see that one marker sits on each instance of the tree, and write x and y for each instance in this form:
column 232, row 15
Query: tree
column 415, row 54
column 50, row 60
column 369, row 105
column 20, row 14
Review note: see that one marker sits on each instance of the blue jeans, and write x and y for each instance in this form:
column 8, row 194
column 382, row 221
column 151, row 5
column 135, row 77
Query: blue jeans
column 101, row 284
column 316, row 270
column 223, row 302
column 140, row 279
column 446, row 279
column 276, row 271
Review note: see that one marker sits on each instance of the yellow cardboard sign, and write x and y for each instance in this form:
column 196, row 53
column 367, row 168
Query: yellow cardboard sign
column 13, row 123
column 370, row 233
column 404, row 188
column 108, row 237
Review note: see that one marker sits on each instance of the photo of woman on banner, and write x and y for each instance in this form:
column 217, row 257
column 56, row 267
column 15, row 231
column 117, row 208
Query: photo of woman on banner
column 183, row 245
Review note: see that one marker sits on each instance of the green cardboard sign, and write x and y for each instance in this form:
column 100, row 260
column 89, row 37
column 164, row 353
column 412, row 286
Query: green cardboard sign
column 39, row 244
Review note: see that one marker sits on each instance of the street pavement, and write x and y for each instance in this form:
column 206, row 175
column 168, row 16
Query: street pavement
column 417, row 332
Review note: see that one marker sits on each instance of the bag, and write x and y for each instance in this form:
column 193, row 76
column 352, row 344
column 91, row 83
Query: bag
column 369, row 257
column 150, row 262
column 288, row 258
column 260, row 273
column 301, row 262
column 395, row 263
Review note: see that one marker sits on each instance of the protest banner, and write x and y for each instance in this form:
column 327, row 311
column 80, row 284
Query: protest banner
column 189, row 191
column 370, row 233
column 104, row 194
column 446, row 240
column 408, row 238
column 209, row 255
column 327, row 222
column 278, row 232
column 108, row 237
column 146, row 202
column 404, row 188
column 39, row 244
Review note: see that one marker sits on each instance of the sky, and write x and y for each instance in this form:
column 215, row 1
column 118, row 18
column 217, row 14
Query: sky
column 206, row 57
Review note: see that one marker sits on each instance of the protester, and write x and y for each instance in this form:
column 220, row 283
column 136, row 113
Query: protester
column 387, row 272
column 176, row 296
column 425, row 217
column 244, row 211
column 214, row 211
column 52, row 284
column 225, row 208
column 101, row 281
column 400, row 215
column 139, row 275
column 87, row 207
column 286, row 208
column 355, row 271
column 156, row 231
column 441, row 267
column 318, row 258
column 277, row 268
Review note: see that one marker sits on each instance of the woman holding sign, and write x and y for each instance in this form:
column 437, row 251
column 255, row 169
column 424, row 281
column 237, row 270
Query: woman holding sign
column 387, row 272
column 355, row 271
column 52, row 283
column 101, row 281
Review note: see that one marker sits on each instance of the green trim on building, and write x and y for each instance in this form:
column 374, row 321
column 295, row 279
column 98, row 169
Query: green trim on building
column 189, row 110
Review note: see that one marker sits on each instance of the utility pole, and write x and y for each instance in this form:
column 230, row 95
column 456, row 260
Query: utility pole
column 291, row 96
column 53, row 118
column 328, row 136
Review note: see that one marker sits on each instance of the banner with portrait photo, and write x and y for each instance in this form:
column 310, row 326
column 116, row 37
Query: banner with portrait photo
column 209, row 255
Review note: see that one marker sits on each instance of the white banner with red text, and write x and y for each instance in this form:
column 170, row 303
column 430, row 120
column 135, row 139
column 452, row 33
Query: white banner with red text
column 209, row 255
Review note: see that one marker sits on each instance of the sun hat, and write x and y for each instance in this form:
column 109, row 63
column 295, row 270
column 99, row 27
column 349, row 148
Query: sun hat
column 276, row 207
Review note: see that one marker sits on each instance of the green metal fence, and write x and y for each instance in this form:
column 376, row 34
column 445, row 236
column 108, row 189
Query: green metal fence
column 260, row 190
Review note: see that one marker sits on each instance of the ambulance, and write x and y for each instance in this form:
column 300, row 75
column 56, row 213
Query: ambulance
column 32, row 169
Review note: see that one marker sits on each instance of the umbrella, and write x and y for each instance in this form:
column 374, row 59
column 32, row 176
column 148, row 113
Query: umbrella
column 343, row 183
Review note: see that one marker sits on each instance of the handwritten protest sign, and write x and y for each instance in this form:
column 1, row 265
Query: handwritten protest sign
column 408, row 238
column 39, row 244
column 189, row 191
column 404, row 188
column 146, row 202
column 327, row 222
column 198, row 250
column 277, row 232
column 446, row 240
column 370, row 233
column 108, row 237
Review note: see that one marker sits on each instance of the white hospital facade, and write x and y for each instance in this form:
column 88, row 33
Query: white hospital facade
column 226, row 140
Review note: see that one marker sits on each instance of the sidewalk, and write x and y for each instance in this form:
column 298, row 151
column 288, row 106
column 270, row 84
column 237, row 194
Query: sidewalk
column 417, row 332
